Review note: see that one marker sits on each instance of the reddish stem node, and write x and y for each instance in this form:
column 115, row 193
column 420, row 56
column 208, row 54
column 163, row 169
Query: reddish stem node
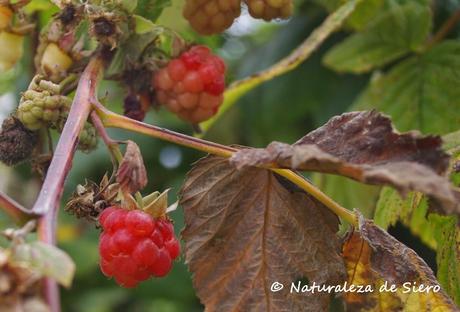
column 14, row 209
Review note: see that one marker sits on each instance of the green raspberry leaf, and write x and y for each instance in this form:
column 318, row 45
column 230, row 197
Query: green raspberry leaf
column 421, row 92
column 399, row 31
column 151, row 9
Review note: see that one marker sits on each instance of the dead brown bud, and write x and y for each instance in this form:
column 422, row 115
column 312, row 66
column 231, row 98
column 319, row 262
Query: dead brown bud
column 132, row 175
column 16, row 142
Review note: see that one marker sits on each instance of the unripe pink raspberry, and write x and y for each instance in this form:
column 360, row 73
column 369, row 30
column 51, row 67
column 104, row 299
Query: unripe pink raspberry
column 192, row 85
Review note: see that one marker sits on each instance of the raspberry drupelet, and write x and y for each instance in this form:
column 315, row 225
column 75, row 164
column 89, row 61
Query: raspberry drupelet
column 192, row 85
column 134, row 246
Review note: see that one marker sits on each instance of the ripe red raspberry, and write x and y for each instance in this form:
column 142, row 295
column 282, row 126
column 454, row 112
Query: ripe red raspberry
column 134, row 246
column 211, row 16
column 270, row 9
column 192, row 85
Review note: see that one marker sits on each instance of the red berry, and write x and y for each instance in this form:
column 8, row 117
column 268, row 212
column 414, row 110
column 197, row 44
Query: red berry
column 145, row 253
column 197, row 73
column 177, row 70
column 106, row 248
column 135, row 246
column 104, row 214
column 124, row 241
column 106, row 268
column 114, row 220
column 157, row 238
column 139, row 223
column 163, row 264
column 173, row 248
column 166, row 228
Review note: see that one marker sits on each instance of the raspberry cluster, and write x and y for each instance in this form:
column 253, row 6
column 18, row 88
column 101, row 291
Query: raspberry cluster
column 134, row 246
column 88, row 138
column 192, row 85
column 270, row 9
column 211, row 16
column 41, row 105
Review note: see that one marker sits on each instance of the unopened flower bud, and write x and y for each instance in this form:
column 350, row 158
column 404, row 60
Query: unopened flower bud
column 132, row 175
column 10, row 49
column 55, row 62
column 5, row 16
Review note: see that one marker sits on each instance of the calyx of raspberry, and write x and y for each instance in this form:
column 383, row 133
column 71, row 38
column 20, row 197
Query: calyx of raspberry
column 192, row 85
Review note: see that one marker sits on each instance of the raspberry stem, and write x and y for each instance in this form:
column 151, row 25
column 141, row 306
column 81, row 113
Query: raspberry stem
column 111, row 119
column 14, row 209
column 48, row 200
column 111, row 144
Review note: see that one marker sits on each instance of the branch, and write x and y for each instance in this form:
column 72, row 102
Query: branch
column 14, row 209
column 112, row 145
column 48, row 201
column 51, row 192
column 445, row 28
column 111, row 119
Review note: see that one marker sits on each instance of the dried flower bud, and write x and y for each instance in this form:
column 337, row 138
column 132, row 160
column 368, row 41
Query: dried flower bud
column 456, row 166
column 132, row 175
column 16, row 142
column 106, row 29
column 103, row 27
column 133, row 107
column 90, row 199
column 68, row 14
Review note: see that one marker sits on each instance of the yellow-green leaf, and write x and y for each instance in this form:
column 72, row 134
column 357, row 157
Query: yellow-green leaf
column 46, row 259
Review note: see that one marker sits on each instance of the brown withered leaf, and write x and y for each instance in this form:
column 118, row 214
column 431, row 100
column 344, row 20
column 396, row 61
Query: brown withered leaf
column 365, row 147
column 373, row 257
column 246, row 229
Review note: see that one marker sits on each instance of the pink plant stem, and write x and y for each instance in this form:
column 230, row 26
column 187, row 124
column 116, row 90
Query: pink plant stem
column 48, row 201
column 14, row 209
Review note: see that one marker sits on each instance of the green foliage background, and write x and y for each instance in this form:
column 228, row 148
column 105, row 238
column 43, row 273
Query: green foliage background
column 385, row 64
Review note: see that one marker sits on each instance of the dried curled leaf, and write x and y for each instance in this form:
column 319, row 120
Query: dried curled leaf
column 19, row 286
column 365, row 147
column 246, row 229
column 45, row 259
column 373, row 257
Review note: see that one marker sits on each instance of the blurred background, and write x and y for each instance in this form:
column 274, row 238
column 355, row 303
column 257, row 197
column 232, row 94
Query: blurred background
column 283, row 109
